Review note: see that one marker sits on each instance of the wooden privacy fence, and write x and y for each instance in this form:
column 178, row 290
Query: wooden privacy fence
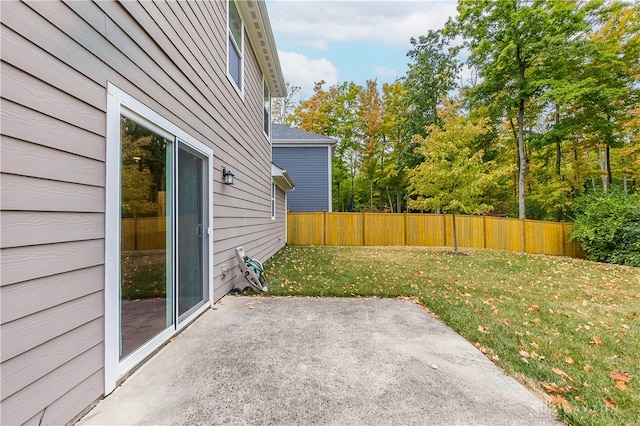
column 414, row 229
column 143, row 233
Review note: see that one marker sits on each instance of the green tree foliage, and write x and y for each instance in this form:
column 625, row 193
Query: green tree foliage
column 560, row 81
column 143, row 170
column 607, row 226
column 431, row 76
column 453, row 176
column 512, row 44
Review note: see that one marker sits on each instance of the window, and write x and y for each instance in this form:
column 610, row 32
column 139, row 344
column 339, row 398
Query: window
column 267, row 110
column 235, row 49
column 273, row 201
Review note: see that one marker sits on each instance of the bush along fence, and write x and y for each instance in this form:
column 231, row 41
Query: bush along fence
column 415, row 229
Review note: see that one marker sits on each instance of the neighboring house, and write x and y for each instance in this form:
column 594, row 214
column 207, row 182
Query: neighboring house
column 307, row 158
column 118, row 119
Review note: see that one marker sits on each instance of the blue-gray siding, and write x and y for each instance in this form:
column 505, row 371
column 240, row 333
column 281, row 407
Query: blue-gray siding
column 309, row 169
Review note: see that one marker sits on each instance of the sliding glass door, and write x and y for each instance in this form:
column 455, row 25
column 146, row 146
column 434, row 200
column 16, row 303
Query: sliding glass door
column 164, row 223
column 146, row 266
column 192, row 232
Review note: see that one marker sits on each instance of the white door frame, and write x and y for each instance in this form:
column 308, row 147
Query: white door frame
column 119, row 102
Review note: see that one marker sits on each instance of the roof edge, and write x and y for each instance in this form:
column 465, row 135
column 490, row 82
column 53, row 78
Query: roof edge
column 258, row 26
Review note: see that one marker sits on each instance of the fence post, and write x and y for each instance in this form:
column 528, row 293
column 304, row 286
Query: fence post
column 364, row 230
column 444, row 229
column 484, row 231
column 404, row 241
column 324, row 229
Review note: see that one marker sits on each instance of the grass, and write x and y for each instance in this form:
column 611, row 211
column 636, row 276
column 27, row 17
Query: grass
column 143, row 274
column 568, row 329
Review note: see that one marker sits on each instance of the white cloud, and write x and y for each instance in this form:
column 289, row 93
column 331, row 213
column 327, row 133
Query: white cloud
column 302, row 71
column 393, row 23
column 382, row 71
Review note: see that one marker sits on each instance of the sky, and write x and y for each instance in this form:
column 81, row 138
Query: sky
column 359, row 40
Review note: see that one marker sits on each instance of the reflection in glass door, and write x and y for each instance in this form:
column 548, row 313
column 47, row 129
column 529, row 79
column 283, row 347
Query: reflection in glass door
column 192, row 231
column 146, row 302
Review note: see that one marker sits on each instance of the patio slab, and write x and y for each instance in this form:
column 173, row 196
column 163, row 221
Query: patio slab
column 330, row 361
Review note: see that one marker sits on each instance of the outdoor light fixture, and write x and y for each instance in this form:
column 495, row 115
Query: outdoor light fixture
column 227, row 176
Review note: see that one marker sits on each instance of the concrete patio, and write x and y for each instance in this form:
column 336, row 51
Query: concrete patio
column 282, row 361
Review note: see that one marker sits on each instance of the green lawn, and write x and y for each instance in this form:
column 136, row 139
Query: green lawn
column 568, row 329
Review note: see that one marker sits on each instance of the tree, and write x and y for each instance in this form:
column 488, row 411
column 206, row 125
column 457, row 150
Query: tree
column 333, row 112
column 395, row 139
column 282, row 109
column 431, row 76
column 370, row 125
column 512, row 45
column 453, row 175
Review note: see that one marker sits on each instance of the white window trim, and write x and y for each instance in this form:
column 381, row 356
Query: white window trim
column 239, row 90
column 265, row 86
column 274, row 197
column 119, row 102
column 329, row 173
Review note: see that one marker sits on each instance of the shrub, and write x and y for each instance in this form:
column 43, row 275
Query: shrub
column 607, row 226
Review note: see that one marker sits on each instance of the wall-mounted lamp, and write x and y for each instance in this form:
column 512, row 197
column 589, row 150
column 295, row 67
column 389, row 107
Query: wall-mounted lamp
column 227, row 176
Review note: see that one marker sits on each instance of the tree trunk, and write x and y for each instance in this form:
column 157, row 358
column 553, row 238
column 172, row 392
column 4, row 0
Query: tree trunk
column 624, row 176
column 389, row 198
column 607, row 160
column 521, row 150
column 523, row 162
column 558, row 158
column 371, row 195
column 558, row 146
column 398, row 200
column 602, row 162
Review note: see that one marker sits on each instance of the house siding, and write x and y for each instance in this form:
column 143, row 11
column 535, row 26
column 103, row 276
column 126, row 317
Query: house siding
column 57, row 58
column 309, row 169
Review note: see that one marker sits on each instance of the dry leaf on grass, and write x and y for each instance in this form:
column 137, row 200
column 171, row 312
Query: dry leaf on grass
column 621, row 385
column 559, row 372
column 609, row 403
column 560, row 401
column 622, row 376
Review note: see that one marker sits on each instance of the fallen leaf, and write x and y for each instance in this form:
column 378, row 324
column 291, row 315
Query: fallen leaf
column 632, row 315
column 560, row 401
column 524, row 354
column 507, row 321
column 596, row 341
column 621, row 385
column 568, row 360
column 622, row 376
column 586, row 368
column 526, row 361
column 435, row 367
column 559, row 372
column 483, row 329
column 534, row 308
column 552, row 388
column 609, row 403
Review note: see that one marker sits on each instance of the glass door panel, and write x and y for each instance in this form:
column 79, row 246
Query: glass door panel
column 192, row 231
column 146, row 302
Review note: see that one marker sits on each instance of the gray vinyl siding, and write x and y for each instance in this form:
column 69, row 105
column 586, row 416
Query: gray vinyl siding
column 309, row 169
column 57, row 58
